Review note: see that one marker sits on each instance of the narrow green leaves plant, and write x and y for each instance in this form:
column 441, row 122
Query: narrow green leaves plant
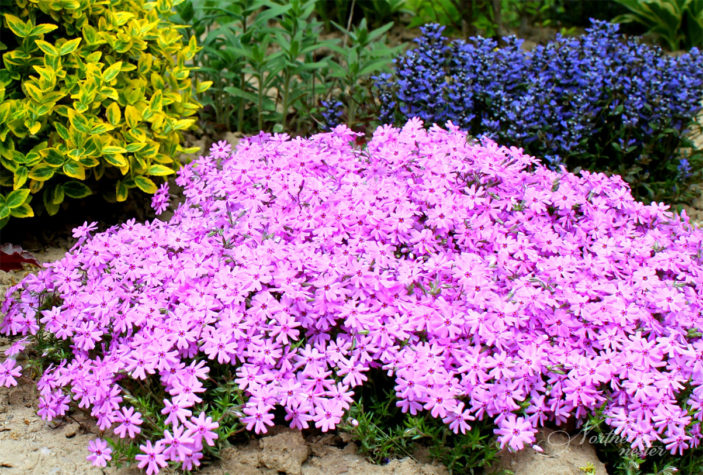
column 678, row 24
column 366, row 54
column 269, row 67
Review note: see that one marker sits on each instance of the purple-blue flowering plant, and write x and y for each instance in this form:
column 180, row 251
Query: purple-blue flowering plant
column 597, row 102
column 486, row 287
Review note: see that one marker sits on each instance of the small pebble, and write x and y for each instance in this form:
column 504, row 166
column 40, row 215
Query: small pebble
column 71, row 430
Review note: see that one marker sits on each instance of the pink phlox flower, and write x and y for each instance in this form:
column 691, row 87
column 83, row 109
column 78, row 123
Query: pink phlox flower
column 192, row 461
column 268, row 352
column 100, row 453
column 340, row 393
column 220, row 149
column 9, row 370
column 16, row 347
column 458, row 418
column 258, row 416
column 218, row 345
column 129, row 421
column 152, row 457
column 440, row 400
column 677, row 441
column 202, row 428
column 298, row 412
column 284, row 328
column 185, row 394
column 53, row 405
column 141, row 363
column 84, row 230
column 176, row 412
column 515, row 432
column 328, row 413
column 178, row 445
column 640, row 386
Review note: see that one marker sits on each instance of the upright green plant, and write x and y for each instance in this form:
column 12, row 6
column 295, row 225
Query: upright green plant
column 297, row 38
column 89, row 92
column 463, row 18
column 678, row 24
column 375, row 12
column 262, row 57
column 221, row 26
column 269, row 69
column 363, row 53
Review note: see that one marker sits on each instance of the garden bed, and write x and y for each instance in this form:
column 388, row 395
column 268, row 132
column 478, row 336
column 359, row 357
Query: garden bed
column 403, row 310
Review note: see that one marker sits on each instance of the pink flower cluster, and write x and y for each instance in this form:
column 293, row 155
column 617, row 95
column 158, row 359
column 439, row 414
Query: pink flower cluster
column 486, row 284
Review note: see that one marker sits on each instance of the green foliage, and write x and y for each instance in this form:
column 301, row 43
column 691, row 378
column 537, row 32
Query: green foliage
column 485, row 17
column 259, row 56
column 383, row 432
column 568, row 14
column 352, row 12
column 89, row 92
column 269, row 68
column 351, row 70
column 445, row 12
column 677, row 24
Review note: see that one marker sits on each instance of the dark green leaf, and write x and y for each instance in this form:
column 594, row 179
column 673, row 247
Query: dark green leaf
column 76, row 189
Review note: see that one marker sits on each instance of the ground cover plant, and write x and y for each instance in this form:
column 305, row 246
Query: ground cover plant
column 93, row 98
column 597, row 102
column 485, row 287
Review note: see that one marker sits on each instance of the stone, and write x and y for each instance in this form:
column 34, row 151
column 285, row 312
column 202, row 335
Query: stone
column 233, row 138
column 562, row 455
column 241, row 459
column 284, row 452
column 71, row 430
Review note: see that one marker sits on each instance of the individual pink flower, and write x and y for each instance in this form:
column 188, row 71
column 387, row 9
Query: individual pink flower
column 152, row 458
column 202, row 428
column 328, row 413
column 220, row 149
column 258, row 416
column 175, row 412
column 100, row 453
column 129, row 422
column 160, row 199
column 84, row 230
column 178, row 445
column 9, row 370
column 515, row 432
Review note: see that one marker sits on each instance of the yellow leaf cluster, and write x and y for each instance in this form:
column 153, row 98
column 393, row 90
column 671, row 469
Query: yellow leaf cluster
column 102, row 88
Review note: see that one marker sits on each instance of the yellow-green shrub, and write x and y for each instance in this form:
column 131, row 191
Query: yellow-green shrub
column 89, row 91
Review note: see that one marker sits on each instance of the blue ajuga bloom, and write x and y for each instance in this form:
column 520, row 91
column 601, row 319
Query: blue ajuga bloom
column 332, row 112
column 684, row 168
column 596, row 101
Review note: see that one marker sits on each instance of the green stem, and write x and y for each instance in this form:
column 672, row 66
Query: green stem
column 286, row 92
column 352, row 113
column 260, row 121
column 240, row 116
column 349, row 22
column 240, row 109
